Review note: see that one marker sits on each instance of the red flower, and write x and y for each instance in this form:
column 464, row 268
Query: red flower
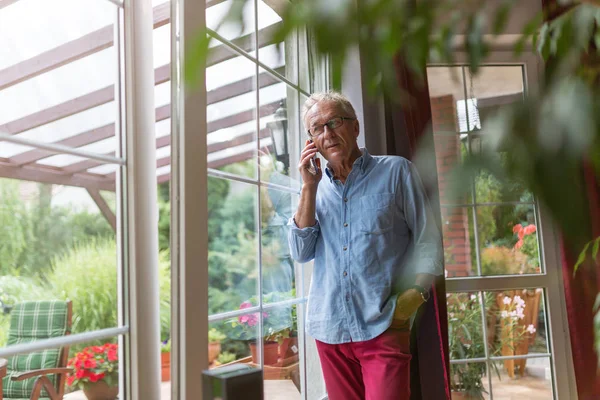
column 89, row 364
column 80, row 373
column 96, row 377
column 112, row 355
column 98, row 349
column 529, row 229
column 517, row 228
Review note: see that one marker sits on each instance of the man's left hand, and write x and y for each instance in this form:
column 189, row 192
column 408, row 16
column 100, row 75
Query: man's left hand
column 407, row 304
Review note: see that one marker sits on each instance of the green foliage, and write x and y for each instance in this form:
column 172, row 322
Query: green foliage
column 164, row 217
column 215, row 335
column 13, row 232
column 164, row 282
column 226, row 357
column 87, row 275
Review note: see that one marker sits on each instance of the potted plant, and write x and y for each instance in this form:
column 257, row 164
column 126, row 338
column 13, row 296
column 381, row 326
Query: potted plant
column 215, row 338
column 165, row 360
column 466, row 341
column 96, row 371
column 274, row 331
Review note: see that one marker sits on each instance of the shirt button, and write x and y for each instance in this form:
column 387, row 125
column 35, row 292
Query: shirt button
column 345, row 248
column 345, row 224
column 345, row 199
column 345, row 273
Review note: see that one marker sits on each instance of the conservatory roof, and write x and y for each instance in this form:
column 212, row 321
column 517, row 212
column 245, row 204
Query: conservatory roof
column 57, row 87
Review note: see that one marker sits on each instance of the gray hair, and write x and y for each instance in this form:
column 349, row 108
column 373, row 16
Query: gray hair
column 335, row 97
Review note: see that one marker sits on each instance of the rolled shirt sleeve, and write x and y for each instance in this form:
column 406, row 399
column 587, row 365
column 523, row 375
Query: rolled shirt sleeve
column 303, row 241
column 427, row 254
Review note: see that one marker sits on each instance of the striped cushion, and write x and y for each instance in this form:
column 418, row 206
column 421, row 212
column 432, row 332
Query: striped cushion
column 29, row 322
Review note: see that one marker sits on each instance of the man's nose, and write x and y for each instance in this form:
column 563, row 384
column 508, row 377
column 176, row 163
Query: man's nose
column 328, row 132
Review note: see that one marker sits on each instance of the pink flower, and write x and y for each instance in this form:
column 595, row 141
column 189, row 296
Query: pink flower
column 529, row 229
column 245, row 304
column 517, row 228
column 531, row 329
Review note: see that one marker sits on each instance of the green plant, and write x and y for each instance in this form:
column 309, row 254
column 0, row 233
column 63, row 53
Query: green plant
column 466, row 341
column 500, row 260
column 165, row 347
column 226, row 357
column 215, row 336
column 87, row 275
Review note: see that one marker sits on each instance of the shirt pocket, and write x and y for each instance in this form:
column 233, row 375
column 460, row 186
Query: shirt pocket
column 377, row 213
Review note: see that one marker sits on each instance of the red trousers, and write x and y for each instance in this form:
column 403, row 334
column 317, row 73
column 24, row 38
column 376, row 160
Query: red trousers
column 376, row 369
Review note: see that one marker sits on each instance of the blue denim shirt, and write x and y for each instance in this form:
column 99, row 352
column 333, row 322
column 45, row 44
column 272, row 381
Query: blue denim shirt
column 373, row 235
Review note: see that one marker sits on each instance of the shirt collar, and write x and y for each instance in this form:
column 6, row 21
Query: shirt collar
column 361, row 162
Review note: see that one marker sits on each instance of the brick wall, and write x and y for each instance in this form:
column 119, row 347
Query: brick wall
column 455, row 221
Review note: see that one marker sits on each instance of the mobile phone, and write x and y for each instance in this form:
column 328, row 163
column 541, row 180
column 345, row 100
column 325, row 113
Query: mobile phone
column 313, row 169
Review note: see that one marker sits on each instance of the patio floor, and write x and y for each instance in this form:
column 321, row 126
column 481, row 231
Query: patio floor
column 274, row 390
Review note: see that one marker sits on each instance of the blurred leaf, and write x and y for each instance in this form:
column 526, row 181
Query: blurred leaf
column 501, row 17
column 581, row 258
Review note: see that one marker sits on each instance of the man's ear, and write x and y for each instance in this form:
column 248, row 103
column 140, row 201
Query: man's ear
column 356, row 128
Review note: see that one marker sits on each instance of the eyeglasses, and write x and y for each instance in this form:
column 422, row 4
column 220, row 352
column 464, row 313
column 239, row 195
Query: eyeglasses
column 333, row 123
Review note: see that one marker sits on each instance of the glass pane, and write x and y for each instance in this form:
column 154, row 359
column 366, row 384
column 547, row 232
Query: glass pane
column 536, row 384
column 232, row 244
column 281, row 56
column 465, row 333
column 281, row 353
column 58, row 75
column 231, row 116
column 230, row 340
column 469, row 381
column 241, row 34
column 279, row 135
column 517, row 323
column 508, row 240
column 489, row 189
column 58, row 244
column 278, row 268
column 459, row 241
column 313, row 381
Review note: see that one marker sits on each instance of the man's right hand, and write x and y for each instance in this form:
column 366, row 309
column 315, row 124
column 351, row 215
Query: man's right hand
column 310, row 150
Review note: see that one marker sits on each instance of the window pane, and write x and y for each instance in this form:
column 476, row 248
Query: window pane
column 58, row 76
column 459, row 241
column 508, row 240
column 240, row 34
column 278, row 268
column 279, row 135
column 232, row 244
column 59, row 243
column 230, row 340
column 231, row 116
column 517, row 324
column 281, row 353
column 281, row 56
column 469, row 381
column 536, row 384
column 465, row 333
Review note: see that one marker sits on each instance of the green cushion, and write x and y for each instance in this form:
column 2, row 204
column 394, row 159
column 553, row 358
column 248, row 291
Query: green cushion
column 29, row 322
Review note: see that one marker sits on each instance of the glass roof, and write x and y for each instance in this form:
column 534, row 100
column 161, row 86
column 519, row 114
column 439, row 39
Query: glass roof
column 58, row 71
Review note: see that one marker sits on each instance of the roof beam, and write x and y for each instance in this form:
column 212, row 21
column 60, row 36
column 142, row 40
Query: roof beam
column 6, row 3
column 104, row 208
column 74, row 106
column 56, row 177
column 242, row 117
column 71, row 51
column 246, row 155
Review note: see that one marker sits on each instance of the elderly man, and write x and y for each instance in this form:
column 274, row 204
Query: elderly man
column 376, row 249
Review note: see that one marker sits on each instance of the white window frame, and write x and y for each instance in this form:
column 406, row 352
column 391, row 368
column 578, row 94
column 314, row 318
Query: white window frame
column 552, row 279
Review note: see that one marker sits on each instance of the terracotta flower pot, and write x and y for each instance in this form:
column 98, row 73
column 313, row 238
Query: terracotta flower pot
column 271, row 353
column 214, row 349
column 288, row 348
column 100, row 391
column 165, row 367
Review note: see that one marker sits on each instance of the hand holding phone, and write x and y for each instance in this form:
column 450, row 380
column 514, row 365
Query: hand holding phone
column 313, row 169
column 309, row 166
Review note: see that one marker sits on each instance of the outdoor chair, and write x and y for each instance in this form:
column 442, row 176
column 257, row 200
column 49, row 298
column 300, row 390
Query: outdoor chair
column 38, row 375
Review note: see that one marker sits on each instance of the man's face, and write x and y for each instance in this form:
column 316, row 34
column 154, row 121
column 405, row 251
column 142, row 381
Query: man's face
column 334, row 144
